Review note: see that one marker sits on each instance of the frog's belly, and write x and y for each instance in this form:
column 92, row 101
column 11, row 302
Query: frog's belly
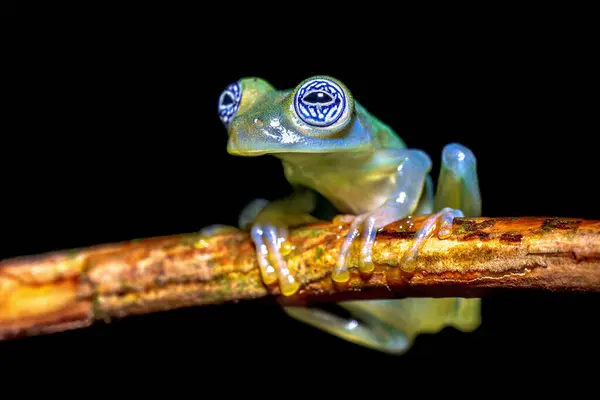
column 355, row 196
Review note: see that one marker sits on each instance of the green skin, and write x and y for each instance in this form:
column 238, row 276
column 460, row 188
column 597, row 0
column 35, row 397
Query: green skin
column 356, row 166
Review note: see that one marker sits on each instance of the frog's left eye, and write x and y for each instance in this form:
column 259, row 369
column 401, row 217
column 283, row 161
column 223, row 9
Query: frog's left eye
column 320, row 102
column 229, row 102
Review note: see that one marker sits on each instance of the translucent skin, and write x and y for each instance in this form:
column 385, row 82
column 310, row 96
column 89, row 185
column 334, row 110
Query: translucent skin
column 363, row 168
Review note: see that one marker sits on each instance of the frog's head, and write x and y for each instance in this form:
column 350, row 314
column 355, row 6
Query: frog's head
column 318, row 116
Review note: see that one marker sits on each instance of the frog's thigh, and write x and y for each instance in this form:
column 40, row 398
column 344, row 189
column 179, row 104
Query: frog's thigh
column 458, row 188
column 369, row 331
column 391, row 326
column 458, row 185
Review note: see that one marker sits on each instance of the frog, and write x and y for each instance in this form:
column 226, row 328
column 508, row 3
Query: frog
column 341, row 160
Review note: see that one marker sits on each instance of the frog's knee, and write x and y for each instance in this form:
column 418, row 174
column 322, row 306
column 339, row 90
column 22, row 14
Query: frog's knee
column 457, row 157
column 458, row 184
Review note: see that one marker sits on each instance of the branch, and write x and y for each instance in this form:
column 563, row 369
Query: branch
column 71, row 289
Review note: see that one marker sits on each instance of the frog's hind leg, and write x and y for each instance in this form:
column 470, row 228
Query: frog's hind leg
column 391, row 326
column 457, row 194
column 458, row 189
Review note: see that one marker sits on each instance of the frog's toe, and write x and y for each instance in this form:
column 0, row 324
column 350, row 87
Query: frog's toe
column 268, row 240
column 446, row 219
column 439, row 224
column 267, row 271
column 364, row 229
column 368, row 234
column 340, row 272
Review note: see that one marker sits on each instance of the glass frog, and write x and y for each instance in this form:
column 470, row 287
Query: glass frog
column 340, row 159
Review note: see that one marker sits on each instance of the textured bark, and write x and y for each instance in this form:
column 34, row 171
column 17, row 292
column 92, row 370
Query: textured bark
column 72, row 289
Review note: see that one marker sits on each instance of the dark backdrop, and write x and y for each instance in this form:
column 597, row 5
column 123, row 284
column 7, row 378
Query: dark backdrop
column 121, row 140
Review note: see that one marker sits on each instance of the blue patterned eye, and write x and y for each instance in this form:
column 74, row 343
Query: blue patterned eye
column 320, row 102
column 229, row 102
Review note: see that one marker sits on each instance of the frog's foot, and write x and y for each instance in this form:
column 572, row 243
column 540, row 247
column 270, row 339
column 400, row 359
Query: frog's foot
column 364, row 228
column 270, row 240
column 439, row 224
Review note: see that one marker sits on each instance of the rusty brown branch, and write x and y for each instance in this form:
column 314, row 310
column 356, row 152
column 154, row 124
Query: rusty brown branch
column 70, row 289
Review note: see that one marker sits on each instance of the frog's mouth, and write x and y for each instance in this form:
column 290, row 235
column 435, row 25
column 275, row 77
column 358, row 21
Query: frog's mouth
column 250, row 151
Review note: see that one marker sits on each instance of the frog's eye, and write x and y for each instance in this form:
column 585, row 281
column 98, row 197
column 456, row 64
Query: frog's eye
column 229, row 102
column 320, row 102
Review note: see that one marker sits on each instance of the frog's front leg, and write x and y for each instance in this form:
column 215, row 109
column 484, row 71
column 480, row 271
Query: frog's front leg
column 411, row 174
column 406, row 198
column 269, row 230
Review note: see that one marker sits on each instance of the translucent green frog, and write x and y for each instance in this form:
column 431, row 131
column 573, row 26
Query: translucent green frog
column 340, row 159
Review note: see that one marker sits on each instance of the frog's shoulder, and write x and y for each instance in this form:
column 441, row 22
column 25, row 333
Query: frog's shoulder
column 383, row 134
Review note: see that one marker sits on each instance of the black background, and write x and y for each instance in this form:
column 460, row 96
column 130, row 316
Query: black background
column 120, row 139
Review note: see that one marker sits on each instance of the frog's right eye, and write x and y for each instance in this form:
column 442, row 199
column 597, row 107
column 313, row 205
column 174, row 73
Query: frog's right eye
column 321, row 102
column 229, row 102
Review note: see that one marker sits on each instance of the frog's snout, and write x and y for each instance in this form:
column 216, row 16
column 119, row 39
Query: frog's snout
column 251, row 135
column 244, row 137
